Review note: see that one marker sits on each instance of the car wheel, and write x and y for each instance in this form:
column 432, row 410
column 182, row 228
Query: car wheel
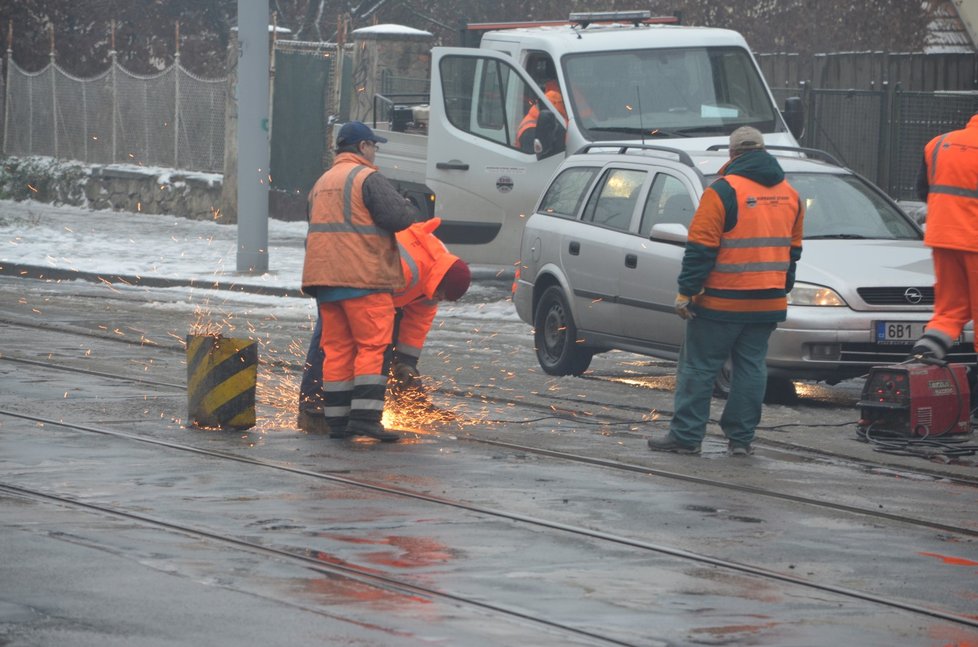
column 779, row 390
column 555, row 336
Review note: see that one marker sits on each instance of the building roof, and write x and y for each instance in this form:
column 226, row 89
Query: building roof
column 947, row 31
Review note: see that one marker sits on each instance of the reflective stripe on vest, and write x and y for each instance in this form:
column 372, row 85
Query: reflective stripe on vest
column 412, row 265
column 945, row 189
column 347, row 224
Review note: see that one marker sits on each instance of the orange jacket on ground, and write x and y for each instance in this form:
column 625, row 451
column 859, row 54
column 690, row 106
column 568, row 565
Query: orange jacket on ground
column 345, row 247
column 424, row 262
column 952, row 184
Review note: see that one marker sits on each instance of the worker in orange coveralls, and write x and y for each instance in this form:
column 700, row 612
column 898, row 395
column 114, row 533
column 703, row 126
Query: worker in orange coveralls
column 432, row 274
column 527, row 130
column 948, row 182
column 352, row 266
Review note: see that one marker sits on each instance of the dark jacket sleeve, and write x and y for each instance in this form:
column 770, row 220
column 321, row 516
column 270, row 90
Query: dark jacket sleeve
column 390, row 210
column 922, row 185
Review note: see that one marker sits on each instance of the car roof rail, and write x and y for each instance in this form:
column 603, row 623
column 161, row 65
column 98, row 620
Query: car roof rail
column 814, row 153
column 621, row 147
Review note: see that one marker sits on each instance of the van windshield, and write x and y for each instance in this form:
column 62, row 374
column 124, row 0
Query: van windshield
column 681, row 92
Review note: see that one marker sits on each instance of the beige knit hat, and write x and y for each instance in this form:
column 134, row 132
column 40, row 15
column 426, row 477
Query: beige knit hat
column 745, row 139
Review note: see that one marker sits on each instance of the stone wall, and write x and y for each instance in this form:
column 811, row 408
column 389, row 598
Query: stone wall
column 113, row 186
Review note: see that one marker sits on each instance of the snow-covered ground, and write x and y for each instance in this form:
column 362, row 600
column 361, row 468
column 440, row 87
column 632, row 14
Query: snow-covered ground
column 168, row 247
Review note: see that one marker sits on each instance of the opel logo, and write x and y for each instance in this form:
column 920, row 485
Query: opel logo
column 913, row 296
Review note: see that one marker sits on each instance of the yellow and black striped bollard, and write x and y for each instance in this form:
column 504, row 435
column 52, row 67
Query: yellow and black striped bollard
column 222, row 373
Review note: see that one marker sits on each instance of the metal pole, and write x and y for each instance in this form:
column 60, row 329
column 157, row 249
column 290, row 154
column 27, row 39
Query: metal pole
column 54, row 94
column 6, row 88
column 176, row 102
column 115, row 99
column 251, row 94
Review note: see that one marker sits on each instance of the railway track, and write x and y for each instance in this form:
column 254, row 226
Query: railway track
column 541, row 524
column 537, row 522
column 568, row 409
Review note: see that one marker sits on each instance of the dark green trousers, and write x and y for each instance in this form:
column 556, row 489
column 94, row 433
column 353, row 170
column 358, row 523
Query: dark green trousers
column 707, row 345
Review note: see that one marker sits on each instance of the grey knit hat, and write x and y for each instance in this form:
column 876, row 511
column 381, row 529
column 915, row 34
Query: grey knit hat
column 745, row 139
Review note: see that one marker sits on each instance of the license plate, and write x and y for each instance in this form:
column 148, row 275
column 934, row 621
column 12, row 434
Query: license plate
column 898, row 332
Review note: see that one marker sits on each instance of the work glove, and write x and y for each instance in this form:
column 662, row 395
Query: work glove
column 682, row 306
column 404, row 375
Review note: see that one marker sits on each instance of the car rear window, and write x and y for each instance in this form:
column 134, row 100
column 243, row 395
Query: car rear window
column 567, row 191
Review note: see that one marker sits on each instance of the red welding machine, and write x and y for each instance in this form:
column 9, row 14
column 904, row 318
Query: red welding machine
column 916, row 400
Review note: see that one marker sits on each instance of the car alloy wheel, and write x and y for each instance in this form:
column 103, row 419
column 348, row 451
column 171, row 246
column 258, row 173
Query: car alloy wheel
column 555, row 336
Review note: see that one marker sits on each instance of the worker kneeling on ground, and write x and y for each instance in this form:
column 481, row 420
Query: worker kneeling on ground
column 432, row 274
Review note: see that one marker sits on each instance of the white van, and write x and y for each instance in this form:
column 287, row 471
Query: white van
column 620, row 76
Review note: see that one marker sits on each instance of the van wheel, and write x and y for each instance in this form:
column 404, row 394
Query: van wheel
column 779, row 390
column 555, row 336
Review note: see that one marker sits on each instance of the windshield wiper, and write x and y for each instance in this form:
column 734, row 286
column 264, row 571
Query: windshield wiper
column 720, row 130
column 837, row 236
column 644, row 132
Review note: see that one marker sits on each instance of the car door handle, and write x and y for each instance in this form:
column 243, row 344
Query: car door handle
column 574, row 248
column 631, row 260
column 452, row 166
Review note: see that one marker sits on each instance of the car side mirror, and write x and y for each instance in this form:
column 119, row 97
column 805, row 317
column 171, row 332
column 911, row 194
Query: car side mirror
column 794, row 116
column 549, row 135
column 669, row 232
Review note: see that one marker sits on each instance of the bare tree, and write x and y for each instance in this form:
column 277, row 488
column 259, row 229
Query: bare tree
column 145, row 34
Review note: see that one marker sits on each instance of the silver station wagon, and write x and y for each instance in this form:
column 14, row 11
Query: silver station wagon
column 602, row 250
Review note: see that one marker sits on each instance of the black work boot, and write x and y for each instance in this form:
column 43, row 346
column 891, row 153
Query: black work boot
column 313, row 422
column 371, row 428
column 934, row 345
column 367, row 408
column 337, row 427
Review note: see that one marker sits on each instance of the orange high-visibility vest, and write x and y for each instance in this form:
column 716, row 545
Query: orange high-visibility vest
column 756, row 253
column 552, row 92
column 424, row 260
column 952, row 198
column 344, row 247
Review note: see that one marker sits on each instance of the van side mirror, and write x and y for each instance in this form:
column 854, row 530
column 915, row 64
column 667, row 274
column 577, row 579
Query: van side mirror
column 794, row 116
column 549, row 135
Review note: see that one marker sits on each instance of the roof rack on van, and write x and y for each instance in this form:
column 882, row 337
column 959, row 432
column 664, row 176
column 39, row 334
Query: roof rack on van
column 636, row 17
column 810, row 152
column 621, row 147
column 580, row 19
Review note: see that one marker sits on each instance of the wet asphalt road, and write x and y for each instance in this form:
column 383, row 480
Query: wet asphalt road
column 171, row 550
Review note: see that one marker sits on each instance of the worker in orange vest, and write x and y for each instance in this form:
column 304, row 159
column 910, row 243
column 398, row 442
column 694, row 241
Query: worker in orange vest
column 526, row 132
column 948, row 182
column 744, row 244
column 432, row 274
column 352, row 267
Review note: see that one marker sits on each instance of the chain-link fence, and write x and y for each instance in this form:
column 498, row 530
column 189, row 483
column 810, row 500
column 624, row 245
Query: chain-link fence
column 837, row 124
column 917, row 117
column 172, row 119
column 880, row 134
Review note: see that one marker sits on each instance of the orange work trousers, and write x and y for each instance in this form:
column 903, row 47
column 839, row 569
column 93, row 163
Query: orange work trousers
column 356, row 334
column 955, row 291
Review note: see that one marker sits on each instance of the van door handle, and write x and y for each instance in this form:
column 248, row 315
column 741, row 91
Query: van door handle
column 574, row 248
column 452, row 166
column 631, row 260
